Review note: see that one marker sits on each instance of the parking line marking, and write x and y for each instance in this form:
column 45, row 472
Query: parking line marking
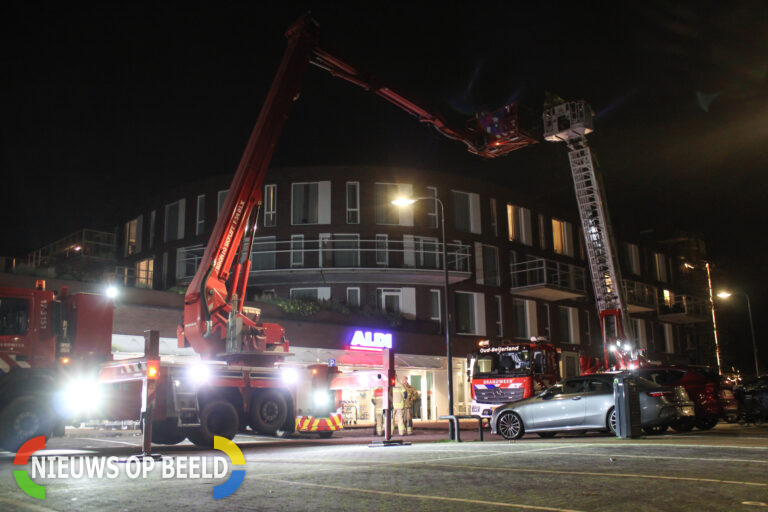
column 609, row 475
column 108, row 441
column 619, row 455
column 418, row 496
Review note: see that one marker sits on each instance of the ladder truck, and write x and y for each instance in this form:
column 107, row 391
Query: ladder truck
column 571, row 122
column 50, row 345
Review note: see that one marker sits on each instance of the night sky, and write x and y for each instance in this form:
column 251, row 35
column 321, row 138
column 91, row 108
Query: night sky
column 102, row 104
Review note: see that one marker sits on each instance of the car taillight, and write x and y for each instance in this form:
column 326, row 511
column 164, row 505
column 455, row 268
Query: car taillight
column 656, row 394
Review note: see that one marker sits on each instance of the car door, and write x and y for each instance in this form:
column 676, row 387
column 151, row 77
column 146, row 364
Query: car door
column 598, row 399
column 564, row 409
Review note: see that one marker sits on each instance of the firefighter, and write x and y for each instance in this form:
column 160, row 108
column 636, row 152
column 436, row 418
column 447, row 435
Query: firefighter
column 411, row 394
column 398, row 404
column 378, row 409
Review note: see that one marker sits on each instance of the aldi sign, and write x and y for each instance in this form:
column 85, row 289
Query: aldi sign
column 369, row 340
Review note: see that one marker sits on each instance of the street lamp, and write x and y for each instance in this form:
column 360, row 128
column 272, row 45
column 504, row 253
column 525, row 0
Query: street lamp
column 403, row 201
column 724, row 295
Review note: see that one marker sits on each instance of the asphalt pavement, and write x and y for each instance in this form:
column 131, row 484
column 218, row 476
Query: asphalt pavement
column 722, row 469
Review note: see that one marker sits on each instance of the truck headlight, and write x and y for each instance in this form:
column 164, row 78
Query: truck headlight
column 79, row 397
column 290, row 375
column 199, row 374
column 321, row 398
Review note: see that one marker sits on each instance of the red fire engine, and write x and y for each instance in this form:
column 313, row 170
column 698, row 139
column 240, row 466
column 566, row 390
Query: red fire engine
column 50, row 346
column 509, row 372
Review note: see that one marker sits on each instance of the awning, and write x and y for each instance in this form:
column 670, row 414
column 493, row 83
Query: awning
column 357, row 380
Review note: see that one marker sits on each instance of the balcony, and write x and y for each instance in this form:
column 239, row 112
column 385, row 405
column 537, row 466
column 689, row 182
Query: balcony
column 683, row 309
column 540, row 278
column 347, row 258
column 641, row 297
column 83, row 244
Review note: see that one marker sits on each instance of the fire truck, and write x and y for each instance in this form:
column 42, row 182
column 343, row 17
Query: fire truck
column 509, row 372
column 55, row 348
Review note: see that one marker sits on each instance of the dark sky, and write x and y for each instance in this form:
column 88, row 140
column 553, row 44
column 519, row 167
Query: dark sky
column 104, row 103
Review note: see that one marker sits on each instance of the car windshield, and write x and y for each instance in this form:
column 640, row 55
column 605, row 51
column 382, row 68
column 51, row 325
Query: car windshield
column 517, row 362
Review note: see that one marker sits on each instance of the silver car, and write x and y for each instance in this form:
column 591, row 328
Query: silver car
column 579, row 404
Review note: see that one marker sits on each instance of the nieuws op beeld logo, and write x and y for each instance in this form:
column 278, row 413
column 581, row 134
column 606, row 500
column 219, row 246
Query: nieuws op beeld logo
column 193, row 467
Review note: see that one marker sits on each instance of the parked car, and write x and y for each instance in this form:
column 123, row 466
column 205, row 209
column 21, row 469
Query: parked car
column 579, row 404
column 753, row 400
column 703, row 387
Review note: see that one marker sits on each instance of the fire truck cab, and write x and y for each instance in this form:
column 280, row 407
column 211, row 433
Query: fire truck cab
column 509, row 372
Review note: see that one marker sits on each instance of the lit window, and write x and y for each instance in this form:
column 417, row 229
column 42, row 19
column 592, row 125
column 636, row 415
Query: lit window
column 519, row 224
column 562, row 237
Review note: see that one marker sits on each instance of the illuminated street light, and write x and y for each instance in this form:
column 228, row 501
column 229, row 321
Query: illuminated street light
column 404, row 201
column 726, row 294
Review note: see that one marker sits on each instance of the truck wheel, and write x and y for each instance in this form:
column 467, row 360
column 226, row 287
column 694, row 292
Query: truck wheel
column 25, row 418
column 217, row 418
column 167, row 432
column 268, row 412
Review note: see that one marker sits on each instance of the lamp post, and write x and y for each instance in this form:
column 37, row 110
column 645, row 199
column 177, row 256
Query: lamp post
column 448, row 355
column 724, row 295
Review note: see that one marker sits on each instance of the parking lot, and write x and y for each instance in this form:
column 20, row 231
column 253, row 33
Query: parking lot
column 722, row 469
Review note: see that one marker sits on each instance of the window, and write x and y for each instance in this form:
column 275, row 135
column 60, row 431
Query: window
column 633, row 258
column 435, row 306
column 187, row 260
column 382, row 254
column 353, row 202
column 639, row 326
column 494, row 223
column 470, row 313
column 460, row 256
column 562, row 237
column 270, row 205
column 524, row 314
column 466, row 212
column 152, row 216
column 569, row 325
column 263, row 253
column 421, row 252
column 431, row 207
column 14, row 316
column 399, row 301
column 144, row 272
column 667, row 298
column 133, row 236
column 660, row 264
column 499, row 317
column 340, row 250
column 588, row 327
column 542, row 232
column 487, row 265
column 310, row 294
column 547, row 330
column 669, row 338
column 387, row 213
column 311, row 203
column 353, row 297
column 174, row 221
column 220, row 198
column 297, row 250
column 200, row 222
column 519, row 224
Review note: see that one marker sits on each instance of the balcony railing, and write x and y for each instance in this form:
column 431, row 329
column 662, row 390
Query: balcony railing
column 640, row 296
column 83, row 243
column 547, row 279
column 684, row 309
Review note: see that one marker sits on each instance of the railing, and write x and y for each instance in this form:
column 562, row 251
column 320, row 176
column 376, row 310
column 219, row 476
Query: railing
column 84, row 243
column 640, row 294
column 348, row 251
column 545, row 272
column 684, row 305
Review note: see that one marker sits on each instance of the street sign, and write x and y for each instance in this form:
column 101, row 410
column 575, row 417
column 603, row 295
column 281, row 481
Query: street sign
column 331, row 363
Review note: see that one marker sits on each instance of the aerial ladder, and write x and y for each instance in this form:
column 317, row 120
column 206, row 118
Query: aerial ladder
column 571, row 122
